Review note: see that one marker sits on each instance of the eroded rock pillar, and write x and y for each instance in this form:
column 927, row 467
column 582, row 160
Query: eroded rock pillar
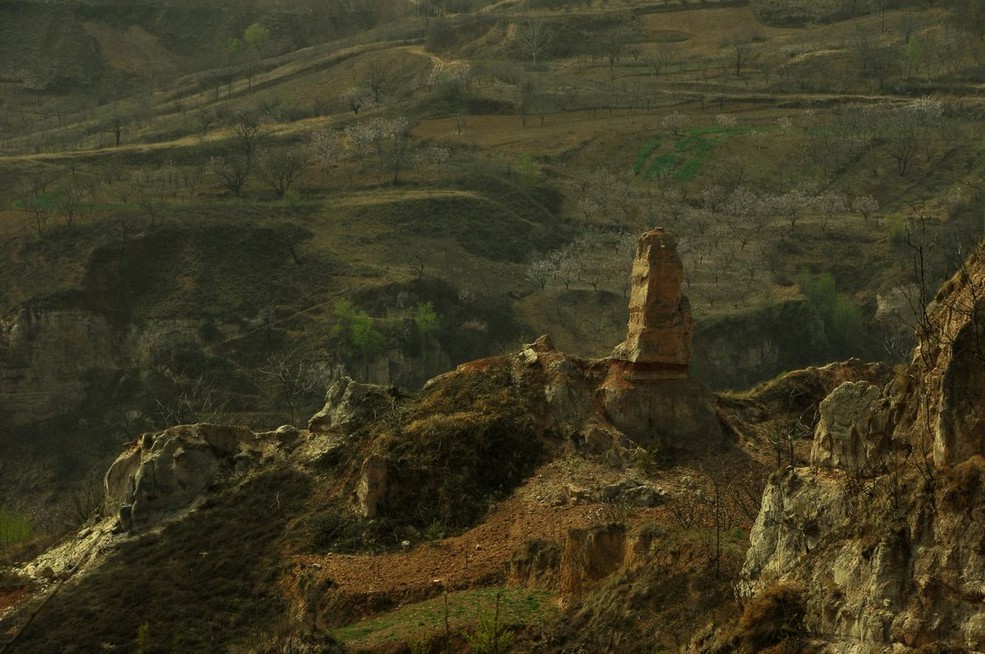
column 658, row 338
column 647, row 392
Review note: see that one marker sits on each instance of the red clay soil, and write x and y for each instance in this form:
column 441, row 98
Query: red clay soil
column 539, row 509
column 13, row 596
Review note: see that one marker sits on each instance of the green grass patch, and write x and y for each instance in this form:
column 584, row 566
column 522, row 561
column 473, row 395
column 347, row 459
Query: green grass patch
column 644, row 154
column 688, row 156
column 46, row 202
column 14, row 528
column 661, row 165
column 699, row 150
column 720, row 130
column 466, row 609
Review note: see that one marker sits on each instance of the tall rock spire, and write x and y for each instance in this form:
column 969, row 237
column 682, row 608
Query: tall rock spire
column 659, row 314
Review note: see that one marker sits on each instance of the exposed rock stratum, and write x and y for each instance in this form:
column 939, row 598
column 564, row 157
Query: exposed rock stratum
column 884, row 536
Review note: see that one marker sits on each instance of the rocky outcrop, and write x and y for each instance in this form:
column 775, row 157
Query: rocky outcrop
column 642, row 395
column 350, row 404
column 662, row 414
column 850, row 433
column 883, row 563
column 372, row 489
column 886, row 533
column 167, row 471
column 942, row 399
column 647, row 393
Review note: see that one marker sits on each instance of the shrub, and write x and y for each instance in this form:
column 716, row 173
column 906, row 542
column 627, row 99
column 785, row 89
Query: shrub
column 467, row 441
column 773, row 616
column 489, row 638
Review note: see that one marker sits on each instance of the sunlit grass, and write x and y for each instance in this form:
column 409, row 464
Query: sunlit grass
column 423, row 620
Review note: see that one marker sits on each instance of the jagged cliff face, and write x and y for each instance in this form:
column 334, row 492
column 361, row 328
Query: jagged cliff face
column 884, row 535
column 44, row 355
column 50, row 358
column 943, row 401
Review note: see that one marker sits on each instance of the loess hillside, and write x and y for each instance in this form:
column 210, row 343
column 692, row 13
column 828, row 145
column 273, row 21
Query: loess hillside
column 213, row 213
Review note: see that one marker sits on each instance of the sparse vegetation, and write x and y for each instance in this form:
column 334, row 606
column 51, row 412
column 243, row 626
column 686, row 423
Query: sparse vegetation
column 208, row 213
column 468, row 611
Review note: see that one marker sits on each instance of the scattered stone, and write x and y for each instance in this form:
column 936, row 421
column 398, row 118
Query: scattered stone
column 641, row 496
column 577, row 495
column 633, row 492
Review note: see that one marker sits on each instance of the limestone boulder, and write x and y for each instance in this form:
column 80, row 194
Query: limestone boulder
column 350, row 404
column 850, row 433
column 373, row 486
column 167, row 471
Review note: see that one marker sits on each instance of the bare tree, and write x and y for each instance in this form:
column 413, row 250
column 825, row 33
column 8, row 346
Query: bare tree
column 396, row 136
column 193, row 399
column 295, row 379
column 206, row 119
column 905, row 127
column 282, row 168
column 246, row 133
column 35, row 205
column 534, row 38
column 663, row 58
column 230, row 172
column 740, row 48
column 118, row 123
column 378, row 78
column 152, row 202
